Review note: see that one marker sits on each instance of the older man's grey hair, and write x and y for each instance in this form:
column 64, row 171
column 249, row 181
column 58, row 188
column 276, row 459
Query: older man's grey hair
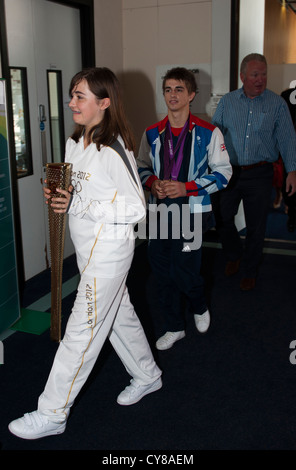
column 249, row 58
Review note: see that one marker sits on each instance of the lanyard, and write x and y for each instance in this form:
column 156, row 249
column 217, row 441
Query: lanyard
column 172, row 165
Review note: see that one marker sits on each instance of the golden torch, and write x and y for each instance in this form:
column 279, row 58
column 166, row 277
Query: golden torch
column 58, row 175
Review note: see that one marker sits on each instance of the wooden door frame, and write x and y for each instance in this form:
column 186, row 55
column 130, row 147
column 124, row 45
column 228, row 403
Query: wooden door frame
column 234, row 44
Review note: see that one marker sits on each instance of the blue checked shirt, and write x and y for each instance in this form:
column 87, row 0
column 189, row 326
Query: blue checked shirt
column 256, row 129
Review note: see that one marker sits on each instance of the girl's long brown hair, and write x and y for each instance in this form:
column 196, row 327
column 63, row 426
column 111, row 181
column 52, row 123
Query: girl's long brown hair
column 103, row 83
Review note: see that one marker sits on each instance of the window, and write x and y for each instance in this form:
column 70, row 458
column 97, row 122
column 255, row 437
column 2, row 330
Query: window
column 21, row 121
column 56, row 116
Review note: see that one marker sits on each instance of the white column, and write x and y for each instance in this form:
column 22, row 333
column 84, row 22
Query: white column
column 251, row 28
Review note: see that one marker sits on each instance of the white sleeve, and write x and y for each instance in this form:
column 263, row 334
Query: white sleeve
column 220, row 169
column 219, row 159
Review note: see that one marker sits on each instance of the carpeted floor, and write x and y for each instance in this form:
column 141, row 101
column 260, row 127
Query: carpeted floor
column 231, row 389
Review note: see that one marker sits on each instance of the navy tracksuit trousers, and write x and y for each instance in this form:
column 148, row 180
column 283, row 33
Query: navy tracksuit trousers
column 177, row 273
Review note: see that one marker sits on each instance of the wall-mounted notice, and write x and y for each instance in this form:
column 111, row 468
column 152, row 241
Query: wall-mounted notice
column 9, row 294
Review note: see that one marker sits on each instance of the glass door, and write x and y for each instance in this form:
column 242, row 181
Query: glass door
column 44, row 63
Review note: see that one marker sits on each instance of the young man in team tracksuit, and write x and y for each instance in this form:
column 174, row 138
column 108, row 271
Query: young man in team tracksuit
column 182, row 160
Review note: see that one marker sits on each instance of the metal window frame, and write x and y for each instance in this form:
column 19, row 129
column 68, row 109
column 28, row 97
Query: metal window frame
column 25, row 95
column 60, row 111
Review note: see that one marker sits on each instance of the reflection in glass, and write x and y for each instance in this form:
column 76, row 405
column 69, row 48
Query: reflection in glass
column 21, row 124
column 56, row 117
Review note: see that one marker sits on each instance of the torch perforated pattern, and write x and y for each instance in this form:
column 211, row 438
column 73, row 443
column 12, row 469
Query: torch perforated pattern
column 58, row 175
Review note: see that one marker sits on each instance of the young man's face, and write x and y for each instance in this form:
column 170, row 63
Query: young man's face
column 176, row 95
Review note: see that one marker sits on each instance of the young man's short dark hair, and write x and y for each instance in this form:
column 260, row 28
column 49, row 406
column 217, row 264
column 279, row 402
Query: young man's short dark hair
column 181, row 74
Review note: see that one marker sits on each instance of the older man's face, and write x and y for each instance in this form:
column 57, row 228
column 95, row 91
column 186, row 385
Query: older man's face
column 254, row 79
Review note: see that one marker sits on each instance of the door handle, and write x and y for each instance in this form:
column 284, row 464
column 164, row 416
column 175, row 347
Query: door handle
column 42, row 118
column 42, row 115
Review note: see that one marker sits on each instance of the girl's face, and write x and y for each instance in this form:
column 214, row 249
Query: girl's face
column 87, row 109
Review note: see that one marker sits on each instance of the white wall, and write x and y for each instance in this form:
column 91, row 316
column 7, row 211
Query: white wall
column 221, row 30
column 251, row 28
column 159, row 34
column 108, row 34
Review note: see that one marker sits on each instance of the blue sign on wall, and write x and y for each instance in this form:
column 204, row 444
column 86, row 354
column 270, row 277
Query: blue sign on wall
column 9, row 293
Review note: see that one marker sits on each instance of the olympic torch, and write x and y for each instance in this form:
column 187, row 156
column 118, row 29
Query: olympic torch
column 58, row 175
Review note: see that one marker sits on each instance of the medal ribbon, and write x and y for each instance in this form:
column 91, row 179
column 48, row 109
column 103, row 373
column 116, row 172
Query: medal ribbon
column 172, row 165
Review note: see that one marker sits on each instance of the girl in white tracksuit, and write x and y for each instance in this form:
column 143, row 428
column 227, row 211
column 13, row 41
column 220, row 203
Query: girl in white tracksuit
column 104, row 202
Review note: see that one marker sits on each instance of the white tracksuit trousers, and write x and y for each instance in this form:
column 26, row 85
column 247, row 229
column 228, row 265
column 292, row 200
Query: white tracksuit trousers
column 102, row 309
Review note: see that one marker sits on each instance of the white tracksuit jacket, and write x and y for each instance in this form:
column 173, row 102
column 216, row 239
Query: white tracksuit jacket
column 105, row 206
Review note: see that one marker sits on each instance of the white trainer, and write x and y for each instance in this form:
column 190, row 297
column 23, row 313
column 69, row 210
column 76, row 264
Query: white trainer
column 35, row 425
column 202, row 322
column 168, row 339
column 134, row 392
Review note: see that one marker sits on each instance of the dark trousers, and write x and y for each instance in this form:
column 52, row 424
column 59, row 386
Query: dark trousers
column 253, row 187
column 177, row 272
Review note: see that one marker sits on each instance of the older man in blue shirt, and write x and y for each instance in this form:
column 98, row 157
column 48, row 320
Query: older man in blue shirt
column 257, row 126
